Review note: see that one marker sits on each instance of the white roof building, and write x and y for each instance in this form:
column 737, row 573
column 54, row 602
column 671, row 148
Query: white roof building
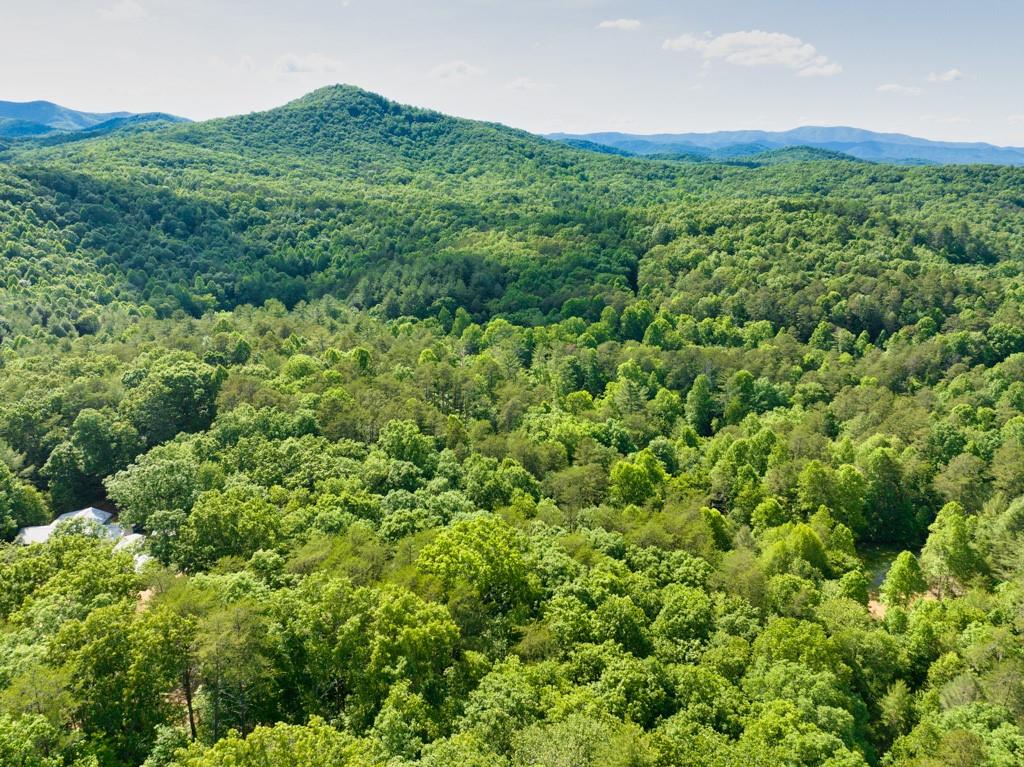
column 42, row 533
column 98, row 522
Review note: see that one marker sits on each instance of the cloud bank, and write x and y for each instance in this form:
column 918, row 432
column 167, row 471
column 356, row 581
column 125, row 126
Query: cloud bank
column 624, row 25
column 946, row 77
column 308, row 64
column 899, row 90
column 756, row 48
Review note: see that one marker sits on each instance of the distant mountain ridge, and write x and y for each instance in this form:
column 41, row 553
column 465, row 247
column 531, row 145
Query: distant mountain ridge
column 42, row 118
column 54, row 115
column 855, row 142
column 396, row 126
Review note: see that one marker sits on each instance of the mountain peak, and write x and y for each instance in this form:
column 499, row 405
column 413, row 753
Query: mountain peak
column 337, row 93
column 352, row 99
column 343, row 121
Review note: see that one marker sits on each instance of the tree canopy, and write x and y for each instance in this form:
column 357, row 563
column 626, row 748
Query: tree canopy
column 451, row 445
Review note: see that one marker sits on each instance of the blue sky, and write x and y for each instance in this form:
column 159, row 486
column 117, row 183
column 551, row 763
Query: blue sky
column 940, row 69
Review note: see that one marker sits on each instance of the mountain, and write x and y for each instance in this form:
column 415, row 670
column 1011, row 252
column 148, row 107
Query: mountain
column 115, row 125
column 54, row 115
column 364, row 132
column 855, row 142
column 37, row 118
column 346, row 193
column 340, row 192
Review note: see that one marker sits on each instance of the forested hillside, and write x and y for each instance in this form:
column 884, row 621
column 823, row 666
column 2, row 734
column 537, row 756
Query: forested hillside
column 455, row 446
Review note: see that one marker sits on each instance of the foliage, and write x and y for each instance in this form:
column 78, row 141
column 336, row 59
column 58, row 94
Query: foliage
column 456, row 446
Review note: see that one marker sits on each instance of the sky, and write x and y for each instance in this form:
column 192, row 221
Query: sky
column 933, row 68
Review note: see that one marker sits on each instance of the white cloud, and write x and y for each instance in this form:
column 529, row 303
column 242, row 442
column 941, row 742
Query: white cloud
column 123, row 10
column 946, row 77
column 624, row 25
column 946, row 119
column 759, row 49
column 1016, row 119
column 455, row 70
column 525, row 84
column 242, row 65
column 308, row 64
column 899, row 90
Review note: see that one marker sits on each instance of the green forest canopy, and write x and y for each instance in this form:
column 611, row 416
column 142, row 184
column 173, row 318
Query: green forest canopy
column 453, row 445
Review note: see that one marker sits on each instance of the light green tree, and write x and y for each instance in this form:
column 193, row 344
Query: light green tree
column 903, row 581
column 949, row 559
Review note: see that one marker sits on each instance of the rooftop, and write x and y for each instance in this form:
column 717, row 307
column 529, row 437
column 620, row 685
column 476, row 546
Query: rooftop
column 101, row 518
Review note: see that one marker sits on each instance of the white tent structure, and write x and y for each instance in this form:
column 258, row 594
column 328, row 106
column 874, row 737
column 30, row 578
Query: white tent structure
column 134, row 544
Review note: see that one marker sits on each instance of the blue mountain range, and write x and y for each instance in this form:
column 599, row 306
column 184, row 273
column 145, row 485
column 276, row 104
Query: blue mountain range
column 854, row 142
column 44, row 118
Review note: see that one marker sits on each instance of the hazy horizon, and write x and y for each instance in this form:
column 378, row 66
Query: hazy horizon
column 560, row 133
column 573, row 66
